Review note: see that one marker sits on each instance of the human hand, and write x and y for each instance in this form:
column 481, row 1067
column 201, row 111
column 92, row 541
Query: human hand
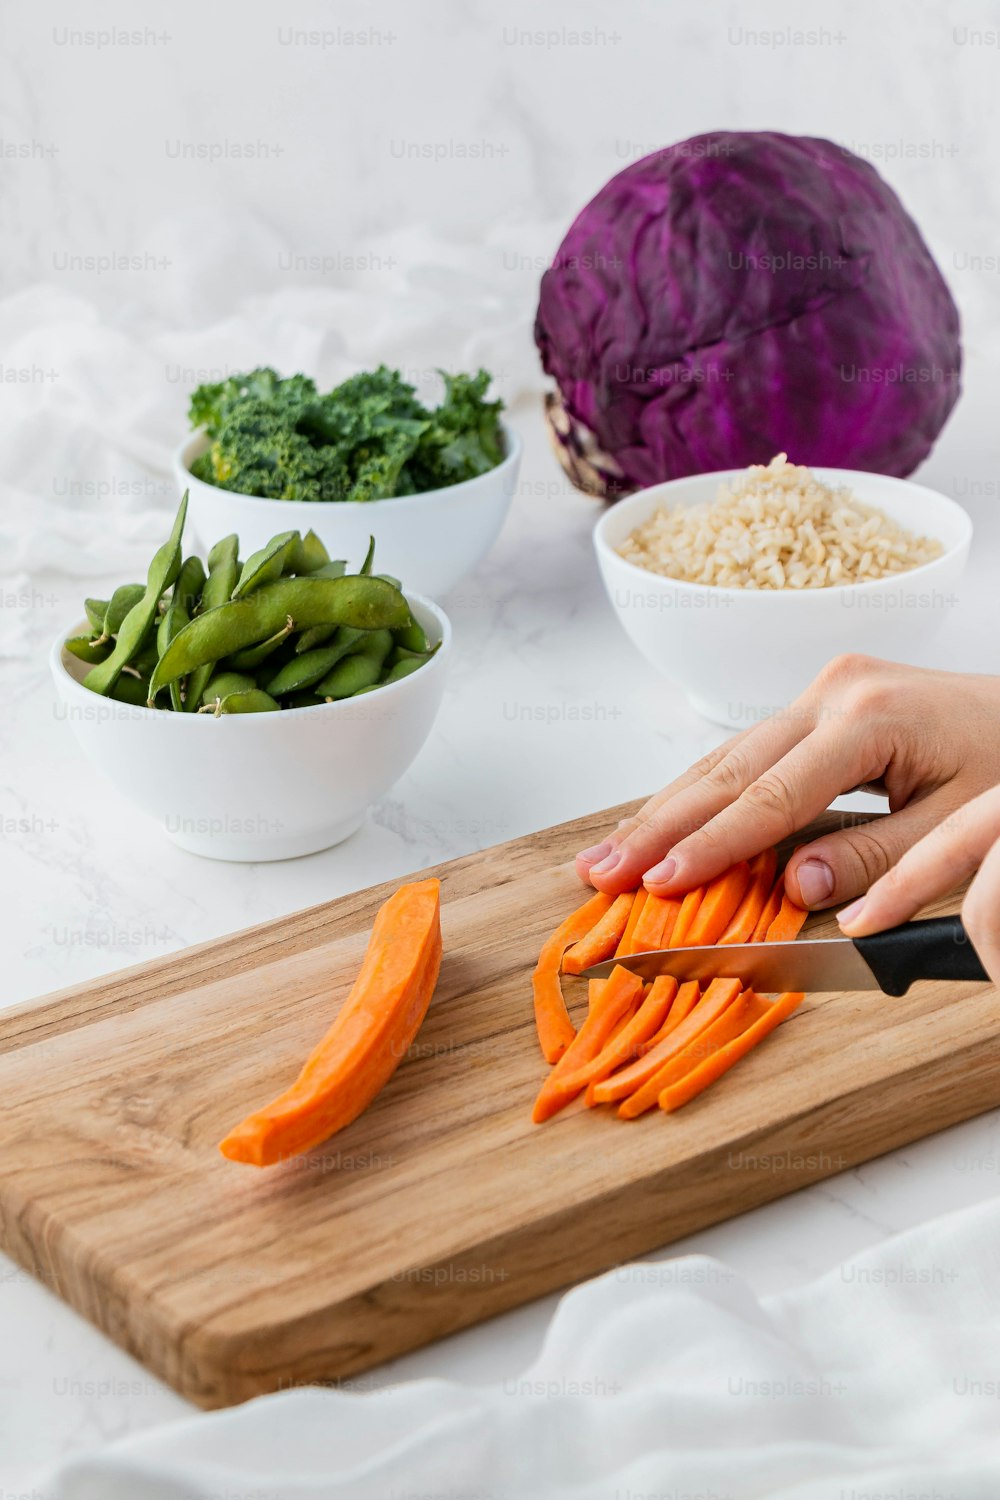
column 928, row 740
column 966, row 843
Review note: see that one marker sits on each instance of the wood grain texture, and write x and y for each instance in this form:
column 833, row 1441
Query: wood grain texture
column 443, row 1204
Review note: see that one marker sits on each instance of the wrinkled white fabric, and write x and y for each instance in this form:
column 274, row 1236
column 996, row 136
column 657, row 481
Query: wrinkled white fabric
column 880, row 1381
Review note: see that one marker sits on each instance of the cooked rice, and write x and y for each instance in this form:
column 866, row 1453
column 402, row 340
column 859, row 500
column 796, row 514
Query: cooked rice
column 776, row 527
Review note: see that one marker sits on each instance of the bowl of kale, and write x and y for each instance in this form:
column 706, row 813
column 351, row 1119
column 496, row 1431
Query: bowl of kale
column 431, row 484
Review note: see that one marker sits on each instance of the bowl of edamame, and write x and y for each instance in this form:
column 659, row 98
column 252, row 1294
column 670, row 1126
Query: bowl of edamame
column 255, row 708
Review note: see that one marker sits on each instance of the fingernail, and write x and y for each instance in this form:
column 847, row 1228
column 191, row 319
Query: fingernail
column 661, row 873
column 597, row 852
column 815, row 881
column 851, row 913
column 606, row 865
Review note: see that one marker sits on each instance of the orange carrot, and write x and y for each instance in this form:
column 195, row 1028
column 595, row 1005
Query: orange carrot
column 721, row 898
column 369, row 1037
column 617, row 995
column 686, row 915
column 657, row 923
column 623, row 1041
column 552, row 1022
column 626, row 946
column 602, row 939
column 713, row 1068
column 717, row 998
column 687, row 998
column 751, row 908
column 772, row 906
column 744, row 1010
column 787, row 924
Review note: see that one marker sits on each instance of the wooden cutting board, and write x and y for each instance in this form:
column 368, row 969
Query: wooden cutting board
column 443, row 1204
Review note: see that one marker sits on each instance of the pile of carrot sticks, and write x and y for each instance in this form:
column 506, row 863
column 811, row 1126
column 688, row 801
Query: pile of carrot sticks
column 663, row 1043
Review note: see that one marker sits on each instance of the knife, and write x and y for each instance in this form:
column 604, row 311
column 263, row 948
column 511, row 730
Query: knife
column 935, row 948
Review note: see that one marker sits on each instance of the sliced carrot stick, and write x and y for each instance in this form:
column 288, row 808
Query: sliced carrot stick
column 368, row 1039
column 686, row 915
column 717, row 998
column 722, row 896
column 713, row 1068
column 619, row 991
column 746, row 1009
column 787, row 924
column 687, row 998
column 602, row 939
column 552, row 1022
column 625, row 947
column 626, row 1019
column 631, row 1032
column 772, row 906
column 751, row 908
column 656, row 924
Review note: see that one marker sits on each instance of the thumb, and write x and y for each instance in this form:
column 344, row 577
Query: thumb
column 840, row 866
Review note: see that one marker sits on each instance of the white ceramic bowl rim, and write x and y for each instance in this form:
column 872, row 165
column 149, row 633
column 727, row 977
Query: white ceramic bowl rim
column 512, row 453
column 837, row 476
column 434, row 610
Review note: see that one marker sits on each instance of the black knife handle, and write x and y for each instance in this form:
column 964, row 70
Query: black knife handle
column 936, row 948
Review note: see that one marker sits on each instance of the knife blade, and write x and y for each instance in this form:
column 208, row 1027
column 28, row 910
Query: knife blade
column 935, row 948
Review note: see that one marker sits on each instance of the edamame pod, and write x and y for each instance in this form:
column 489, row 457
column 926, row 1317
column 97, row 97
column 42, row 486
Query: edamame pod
column 412, row 637
column 84, row 649
column 309, row 555
column 252, row 701
column 362, row 668
column 269, row 563
column 364, row 603
column 162, row 572
column 183, row 599
column 96, row 609
column 302, row 671
column 223, row 571
column 224, row 683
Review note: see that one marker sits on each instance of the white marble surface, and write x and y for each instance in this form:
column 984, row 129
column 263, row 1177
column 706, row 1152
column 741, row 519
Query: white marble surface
column 549, row 714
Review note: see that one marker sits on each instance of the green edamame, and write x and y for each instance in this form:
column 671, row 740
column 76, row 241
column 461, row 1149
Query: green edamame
column 302, row 671
column 183, row 601
column 223, row 571
column 412, row 637
column 86, row 650
column 162, row 572
column 362, row 668
column 268, row 563
column 130, row 689
column 310, row 554
column 336, row 568
column 95, row 610
column 317, row 636
column 253, row 656
column 365, row 603
column 124, row 598
column 252, row 701
column 222, row 684
column 404, row 668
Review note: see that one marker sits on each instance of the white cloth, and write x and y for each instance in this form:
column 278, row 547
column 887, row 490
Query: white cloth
column 667, row 1380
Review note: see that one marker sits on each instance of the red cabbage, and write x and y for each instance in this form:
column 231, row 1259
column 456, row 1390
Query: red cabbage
column 737, row 295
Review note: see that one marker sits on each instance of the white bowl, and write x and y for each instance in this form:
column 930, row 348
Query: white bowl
column 259, row 786
column 742, row 654
column 430, row 541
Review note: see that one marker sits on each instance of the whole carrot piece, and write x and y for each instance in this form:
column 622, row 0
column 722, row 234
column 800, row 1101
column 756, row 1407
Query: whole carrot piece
column 367, row 1041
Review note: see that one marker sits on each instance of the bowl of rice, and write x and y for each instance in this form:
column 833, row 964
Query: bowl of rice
column 740, row 586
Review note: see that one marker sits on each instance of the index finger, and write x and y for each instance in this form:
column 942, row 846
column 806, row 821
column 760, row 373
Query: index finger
column 781, row 800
